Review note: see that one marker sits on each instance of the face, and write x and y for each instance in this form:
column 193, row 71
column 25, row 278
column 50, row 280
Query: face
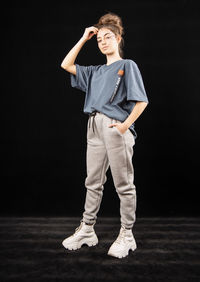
column 107, row 41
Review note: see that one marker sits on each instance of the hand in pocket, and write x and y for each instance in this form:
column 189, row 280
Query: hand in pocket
column 119, row 126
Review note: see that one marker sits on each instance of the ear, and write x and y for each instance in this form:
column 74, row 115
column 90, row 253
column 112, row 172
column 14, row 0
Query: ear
column 118, row 38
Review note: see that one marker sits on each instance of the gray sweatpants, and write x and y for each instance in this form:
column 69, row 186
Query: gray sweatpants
column 107, row 146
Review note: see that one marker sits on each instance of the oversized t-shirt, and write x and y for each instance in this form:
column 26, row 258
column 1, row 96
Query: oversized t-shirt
column 111, row 89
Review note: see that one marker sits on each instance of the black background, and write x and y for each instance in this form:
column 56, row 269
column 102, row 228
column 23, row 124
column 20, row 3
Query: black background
column 43, row 133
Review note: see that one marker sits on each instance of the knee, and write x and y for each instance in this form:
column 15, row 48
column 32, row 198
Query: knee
column 128, row 190
column 93, row 184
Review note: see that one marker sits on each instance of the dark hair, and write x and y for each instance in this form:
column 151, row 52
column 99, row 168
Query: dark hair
column 114, row 23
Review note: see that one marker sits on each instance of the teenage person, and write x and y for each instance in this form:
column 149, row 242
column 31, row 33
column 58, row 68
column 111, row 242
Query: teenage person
column 115, row 97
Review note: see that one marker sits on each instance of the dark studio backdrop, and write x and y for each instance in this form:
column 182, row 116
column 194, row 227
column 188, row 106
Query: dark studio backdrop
column 43, row 133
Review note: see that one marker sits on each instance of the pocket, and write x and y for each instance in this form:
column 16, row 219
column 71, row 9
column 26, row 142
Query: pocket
column 116, row 129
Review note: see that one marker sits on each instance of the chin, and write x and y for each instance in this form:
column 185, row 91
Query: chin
column 104, row 51
column 107, row 52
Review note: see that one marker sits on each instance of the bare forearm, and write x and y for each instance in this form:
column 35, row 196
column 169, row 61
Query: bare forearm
column 68, row 62
column 72, row 54
column 136, row 112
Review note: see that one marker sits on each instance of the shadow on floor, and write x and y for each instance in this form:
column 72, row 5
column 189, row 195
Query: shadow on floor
column 31, row 250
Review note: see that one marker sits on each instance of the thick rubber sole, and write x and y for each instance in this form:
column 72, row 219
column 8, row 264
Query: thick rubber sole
column 78, row 245
column 122, row 255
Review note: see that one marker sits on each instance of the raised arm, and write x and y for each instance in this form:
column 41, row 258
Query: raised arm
column 68, row 62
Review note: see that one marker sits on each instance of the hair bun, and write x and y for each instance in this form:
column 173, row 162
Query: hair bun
column 111, row 19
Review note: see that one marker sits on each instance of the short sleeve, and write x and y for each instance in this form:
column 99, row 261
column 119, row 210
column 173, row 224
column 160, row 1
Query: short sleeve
column 82, row 77
column 134, row 83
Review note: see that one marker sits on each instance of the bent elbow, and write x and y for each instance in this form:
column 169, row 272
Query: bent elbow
column 63, row 66
column 143, row 104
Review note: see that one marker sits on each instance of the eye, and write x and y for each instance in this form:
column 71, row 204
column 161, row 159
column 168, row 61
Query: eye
column 106, row 37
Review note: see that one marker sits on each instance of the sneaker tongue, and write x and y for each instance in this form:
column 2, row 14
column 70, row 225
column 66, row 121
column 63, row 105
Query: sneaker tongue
column 122, row 229
column 120, row 236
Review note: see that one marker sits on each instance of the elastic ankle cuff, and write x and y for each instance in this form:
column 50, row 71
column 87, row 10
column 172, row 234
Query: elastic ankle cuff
column 130, row 228
column 90, row 224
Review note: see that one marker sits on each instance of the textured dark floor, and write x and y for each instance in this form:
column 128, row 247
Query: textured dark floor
column 30, row 250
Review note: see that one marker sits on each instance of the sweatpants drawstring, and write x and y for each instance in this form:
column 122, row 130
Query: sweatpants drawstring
column 93, row 114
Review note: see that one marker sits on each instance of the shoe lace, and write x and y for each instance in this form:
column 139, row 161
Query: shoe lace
column 120, row 236
column 77, row 229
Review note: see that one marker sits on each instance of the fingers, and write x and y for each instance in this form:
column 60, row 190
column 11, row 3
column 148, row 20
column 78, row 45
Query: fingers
column 89, row 32
column 92, row 30
column 113, row 124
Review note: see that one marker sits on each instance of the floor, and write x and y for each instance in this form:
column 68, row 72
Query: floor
column 31, row 250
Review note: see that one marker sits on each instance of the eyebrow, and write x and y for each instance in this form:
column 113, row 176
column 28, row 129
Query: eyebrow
column 104, row 35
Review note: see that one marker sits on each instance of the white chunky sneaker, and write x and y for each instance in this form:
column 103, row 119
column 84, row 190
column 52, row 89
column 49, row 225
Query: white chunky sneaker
column 124, row 242
column 84, row 234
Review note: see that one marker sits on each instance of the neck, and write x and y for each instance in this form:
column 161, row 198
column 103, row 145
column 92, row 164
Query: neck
column 111, row 58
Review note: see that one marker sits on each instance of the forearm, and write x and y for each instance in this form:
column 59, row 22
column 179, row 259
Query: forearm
column 136, row 112
column 72, row 54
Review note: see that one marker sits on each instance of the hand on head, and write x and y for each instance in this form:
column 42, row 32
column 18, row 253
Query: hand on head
column 89, row 32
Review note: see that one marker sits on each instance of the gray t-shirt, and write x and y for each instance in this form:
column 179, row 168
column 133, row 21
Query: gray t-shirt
column 112, row 90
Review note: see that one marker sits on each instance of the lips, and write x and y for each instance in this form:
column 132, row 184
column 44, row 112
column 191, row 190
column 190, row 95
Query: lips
column 104, row 48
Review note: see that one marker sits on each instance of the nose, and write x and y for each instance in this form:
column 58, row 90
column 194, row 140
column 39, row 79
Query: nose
column 103, row 41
